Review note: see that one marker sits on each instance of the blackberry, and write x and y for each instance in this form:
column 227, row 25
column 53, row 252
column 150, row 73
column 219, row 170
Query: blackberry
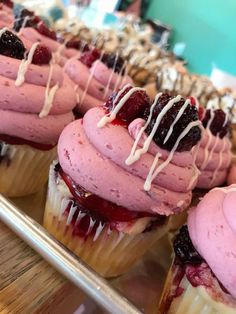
column 112, row 60
column 190, row 114
column 184, row 249
column 218, row 125
column 25, row 18
column 11, row 46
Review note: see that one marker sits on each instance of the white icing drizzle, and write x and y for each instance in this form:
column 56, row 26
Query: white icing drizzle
column 23, row 68
column 197, row 171
column 3, row 30
column 77, row 94
column 136, row 155
column 112, row 115
column 111, row 76
column 210, row 138
column 49, row 95
column 179, row 115
column 90, row 78
column 26, row 19
column 98, row 231
column 152, row 174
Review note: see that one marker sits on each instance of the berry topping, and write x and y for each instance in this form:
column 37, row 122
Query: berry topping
column 25, row 18
column 77, row 44
column 42, row 55
column 219, row 125
column 8, row 3
column 134, row 106
column 184, row 249
column 88, row 57
column 189, row 115
column 114, row 62
column 201, row 113
column 44, row 30
column 11, row 46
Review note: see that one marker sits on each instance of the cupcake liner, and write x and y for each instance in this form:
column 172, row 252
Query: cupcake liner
column 107, row 251
column 23, row 169
column 193, row 300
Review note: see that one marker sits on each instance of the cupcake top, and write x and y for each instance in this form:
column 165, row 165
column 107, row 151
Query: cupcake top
column 96, row 75
column 36, row 97
column 212, row 229
column 6, row 16
column 149, row 152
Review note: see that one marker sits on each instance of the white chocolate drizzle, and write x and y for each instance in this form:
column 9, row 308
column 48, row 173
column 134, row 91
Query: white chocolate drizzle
column 23, row 68
column 3, row 30
column 220, row 162
column 49, row 95
column 112, row 115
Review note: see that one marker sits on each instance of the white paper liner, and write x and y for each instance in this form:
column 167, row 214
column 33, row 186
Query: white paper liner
column 109, row 252
column 193, row 300
column 24, row 170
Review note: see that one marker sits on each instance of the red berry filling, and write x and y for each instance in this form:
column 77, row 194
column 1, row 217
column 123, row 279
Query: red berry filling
column 219, row 125
column 11, row 46
column 133, row 108
column 89, row 57
column 42, row 55
column 12, row 140
column 189, row 115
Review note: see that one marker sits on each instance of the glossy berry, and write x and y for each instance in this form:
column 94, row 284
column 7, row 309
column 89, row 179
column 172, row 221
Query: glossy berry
column 44, row 30
column 89, row 57
column 113, row 62
column 77, row 44
column 219, row 125
column 8, row 3
column 42, row 55
column 133, row 108
column 184, row 249
column 201, row 112
column 25, row 18
column 11, row 46
column 189, row 115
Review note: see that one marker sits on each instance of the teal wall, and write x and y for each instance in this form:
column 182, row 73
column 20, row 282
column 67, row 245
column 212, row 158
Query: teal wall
column 208, row 27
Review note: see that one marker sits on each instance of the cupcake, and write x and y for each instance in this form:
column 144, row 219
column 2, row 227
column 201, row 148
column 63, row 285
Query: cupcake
column 36, row 104
column 96, row 76
column 123, row 170
column 6, row 16
column 214, row 155
column 175, row 79
column 202, row 278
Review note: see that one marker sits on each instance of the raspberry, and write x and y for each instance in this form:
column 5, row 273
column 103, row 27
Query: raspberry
column 189, row 115
column 112, row 60
column 11, row 46
column 219, row 125
column 8, row 3
column 44, row 30
column 42, row 55
column 184, row 249
column 88, row 57
column 133, row 108
column 27, row 18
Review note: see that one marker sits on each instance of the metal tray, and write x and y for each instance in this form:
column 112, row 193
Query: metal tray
column 138, row 291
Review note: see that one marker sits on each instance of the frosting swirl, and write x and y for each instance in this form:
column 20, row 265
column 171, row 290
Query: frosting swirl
column 212, row 228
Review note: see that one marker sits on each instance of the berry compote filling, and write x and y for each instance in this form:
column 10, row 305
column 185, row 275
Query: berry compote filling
column 219, row 124
column 133, row 108
column 189, row 263
column 101, row 210
column 13, row 140
column 11, row 46
column 189, row 115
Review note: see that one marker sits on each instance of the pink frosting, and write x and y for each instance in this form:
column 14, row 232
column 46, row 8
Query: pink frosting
column 95, row 159
column 95, row 84
column 6, row 17
column 20, row 106
column 212, row 228
column 231, row 179
column 213, row 159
